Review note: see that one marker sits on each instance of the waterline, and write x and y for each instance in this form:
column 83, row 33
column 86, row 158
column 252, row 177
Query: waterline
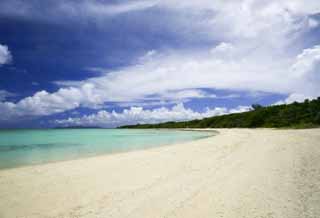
column 28, row 147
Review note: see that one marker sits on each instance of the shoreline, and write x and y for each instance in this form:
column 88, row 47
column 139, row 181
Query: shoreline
column 214, row 133
column 236, row 173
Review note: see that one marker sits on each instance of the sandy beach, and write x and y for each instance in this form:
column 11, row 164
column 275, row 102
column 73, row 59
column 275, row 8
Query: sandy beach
column 239, row 173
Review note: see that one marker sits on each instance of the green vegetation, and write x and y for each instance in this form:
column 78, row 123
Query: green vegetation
column 295, row 115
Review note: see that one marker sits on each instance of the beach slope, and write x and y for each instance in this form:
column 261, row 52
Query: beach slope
column 239, row 173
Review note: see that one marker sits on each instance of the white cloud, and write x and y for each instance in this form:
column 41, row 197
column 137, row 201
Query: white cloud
column 313, row 23
column 240, row 109
column 89, row 95
column 295, row 97
column 5, row 55
column 222, row 50
column 158, row 103
column 176, row 77
column 97, row 8
column 139, row 115
column 180, row 95
column 305, row 71
column 260, row 49
column 5, row 94
column 60, row 10
column 264, row 21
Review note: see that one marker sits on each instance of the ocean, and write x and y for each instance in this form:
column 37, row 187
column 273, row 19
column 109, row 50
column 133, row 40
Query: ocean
column 29, row 146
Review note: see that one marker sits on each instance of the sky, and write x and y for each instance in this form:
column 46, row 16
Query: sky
column 112, row 63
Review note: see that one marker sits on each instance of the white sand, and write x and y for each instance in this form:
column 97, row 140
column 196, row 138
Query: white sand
column 238, row 174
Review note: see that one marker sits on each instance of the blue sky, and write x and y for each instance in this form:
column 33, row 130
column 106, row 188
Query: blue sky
column 110, row 63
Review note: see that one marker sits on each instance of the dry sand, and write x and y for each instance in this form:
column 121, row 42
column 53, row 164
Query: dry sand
column 237, row 174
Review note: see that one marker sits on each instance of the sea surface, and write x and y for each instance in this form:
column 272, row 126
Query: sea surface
column 28, row 147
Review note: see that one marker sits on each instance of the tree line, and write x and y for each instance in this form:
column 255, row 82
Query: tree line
column 295, row 115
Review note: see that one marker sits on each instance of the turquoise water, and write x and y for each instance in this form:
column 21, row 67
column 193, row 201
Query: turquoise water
column 27, row 147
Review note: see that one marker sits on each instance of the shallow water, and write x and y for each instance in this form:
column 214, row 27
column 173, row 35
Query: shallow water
column 27, row 147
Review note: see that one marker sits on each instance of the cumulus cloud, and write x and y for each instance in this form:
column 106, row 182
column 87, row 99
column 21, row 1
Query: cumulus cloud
column 260, row 21
column 43, row 103
column 141, row 82
column 295, row 97
column 5, row 55
column 136, row 115
column 305, row 76
column 260, row 49
column 179, row 76
column 90, row 95
column 306, row 71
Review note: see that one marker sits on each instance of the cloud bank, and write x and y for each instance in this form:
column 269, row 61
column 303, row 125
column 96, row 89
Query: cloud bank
column 259, row 46
column 180, row 79
column 139, row 115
